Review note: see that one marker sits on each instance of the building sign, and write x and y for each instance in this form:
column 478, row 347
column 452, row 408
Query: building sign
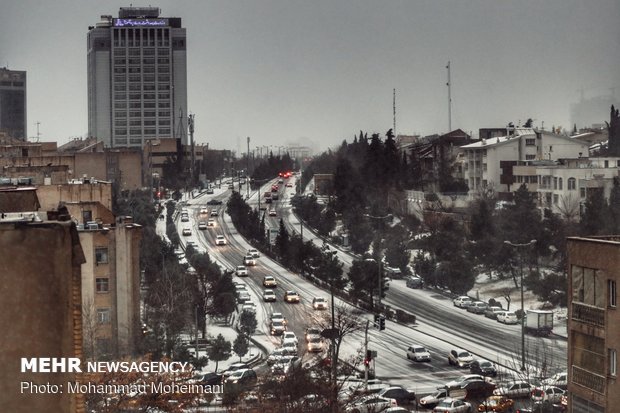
column 140, row 22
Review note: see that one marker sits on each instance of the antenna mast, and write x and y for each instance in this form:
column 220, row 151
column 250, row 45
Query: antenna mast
column 394, row 111
column 449, row 99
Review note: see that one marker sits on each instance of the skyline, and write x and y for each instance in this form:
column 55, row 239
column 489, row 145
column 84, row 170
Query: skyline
column 289, row 72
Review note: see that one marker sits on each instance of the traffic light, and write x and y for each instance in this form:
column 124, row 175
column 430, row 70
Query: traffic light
column 376, row 323
column 368, row 358
column 381, row 323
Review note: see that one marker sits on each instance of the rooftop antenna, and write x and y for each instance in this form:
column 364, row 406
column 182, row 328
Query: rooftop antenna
column 38, row 133
column 394, row 112
column 449, row 99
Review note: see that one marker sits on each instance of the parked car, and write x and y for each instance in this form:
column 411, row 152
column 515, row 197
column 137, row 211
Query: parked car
column 400, row 394
column 269, row 282
column 450, row 405
column 319, row 303
column 478, row 389
column 514, row 389
column 483, row 367
column 291, row 297
column 242, row 378
column 549, row 394
column 460, row 358
column 414, row 282
column 491, row 312
column 558, row 380
column 477, row 307
column 507, row 317
column 416, row 352
column 462, row 301
column 242, row 271
column 220, row 240
column 371, row 404
column 497, row 404
column 243, row 297
column 269, row 296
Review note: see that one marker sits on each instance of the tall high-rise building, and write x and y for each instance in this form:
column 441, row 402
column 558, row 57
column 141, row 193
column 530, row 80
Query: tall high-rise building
column 137, row 78
column 13, row 103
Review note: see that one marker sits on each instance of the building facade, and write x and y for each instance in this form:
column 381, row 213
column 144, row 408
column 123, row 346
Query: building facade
column 137, row 78
column 593, row 324
column 13, row 119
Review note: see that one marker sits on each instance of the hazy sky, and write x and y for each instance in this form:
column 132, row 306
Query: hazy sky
column 285, row 71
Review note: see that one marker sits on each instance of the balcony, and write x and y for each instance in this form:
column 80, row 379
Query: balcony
column 588, row 314
column 588, row 379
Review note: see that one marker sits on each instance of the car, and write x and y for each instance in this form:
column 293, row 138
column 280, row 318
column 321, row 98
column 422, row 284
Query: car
column 497, row 404
column 234, row 367
column 319, row 303
column 274, row 188
column 462, row 381
column 418, row 353
column 244, row 297
column 272, row 212
column 558, row 380
column 289, row 184
column 202, row 225
column 291, row 336
column 220, row 240
column 275, row 355
column 460, row 358
column 242, row 271
column 291, row 297
column 211, row 222
column 231, row 186
column 253, row 252
column 278, row 317
column 433, row 399
column 285, row 363
column 507, row 317
column 242, row 378
column 550, row 394
column 483, row 367
column 249, row 306
column 204, row 211
column 209, row 379
column 491, row 312
column 214, row 213
column 371, row 404
column 312, row 332
column 269, row 296
column 184, row 218
column 277, row 327
column 210, row 191
column 290, row 347
column 269, row 282
column 315, row 345
column 214, row 202
column 450, row 405
column 187, row 232
column 514, row 389
column 477, row 307
column 400, row 394
column 462, row 302
column 478, row 389
column 414, row 282
column 249, row 260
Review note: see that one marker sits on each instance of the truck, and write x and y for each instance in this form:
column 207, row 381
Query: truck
column 539, row 322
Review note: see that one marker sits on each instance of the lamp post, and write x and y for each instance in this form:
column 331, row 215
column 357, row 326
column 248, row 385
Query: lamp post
column 521, row 246
column 151, row 143
column 379, row 257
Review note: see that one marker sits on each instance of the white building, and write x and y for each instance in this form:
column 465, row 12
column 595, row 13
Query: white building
column 488, row 163
column 137, row 78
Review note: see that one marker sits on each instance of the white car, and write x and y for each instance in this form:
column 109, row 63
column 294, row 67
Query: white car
column 289, row 347
column 315, row 344
column 312, row 332
column 460, row 358
column 507, row 317
column 550, row 394
column 220, row 240
column 290, row 336
column 319, row 303
column 371, row 404
column 241, row 271
column 432, row 400
column 461, row 381
column 277, row 327
column 249, row 306
column 515, row 389
column 187, row 232
column 418, row 353
column 269, row 295
column 249, row 260
column 275, row 355
column 202, row 225
column 269, row 282
column 278, row 317
column 272, row 213
column 211, row 222
column 291, row 297
column 462, row 301
column 450, row 405
column 558, row 380
column 253, row 252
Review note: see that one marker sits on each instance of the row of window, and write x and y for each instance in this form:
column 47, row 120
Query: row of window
column 147, row 114
column 134, row 96
column 119, row 78
column 141, row 51
column 146, row 61
column 137, row 86
column 145, row 69
column 147, row 131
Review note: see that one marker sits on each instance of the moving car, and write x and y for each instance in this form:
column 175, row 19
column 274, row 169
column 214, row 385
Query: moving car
column 269, row 282
column 278, row 317
column 277, row 327
column 460, row 358
column 220, row 240
column 315, row 344
column 214, row 213
column 463, row 380
column 398, row 393
column 462, row 302
column 187, row 232
column 290, row 348
column 234, row 367
column 319, row 303
column 275, row 355
column 209, row 379
column 432, row 400
column 497, row 404
column 204, row 211
column 451, row 405
column 202, row 225
column 211, row 222
column 242, row 271
column 291, row 297
column 290, row 336
column 285, row 363
column 249, row 260
column 515, row 389
column 242, row 378
column 214, row 202
column 312, row 332
column 269, row 296
column 272, row 212
column 253, row 252
column 184, row 218
column 558, row 380
column 414, row 282
column 483, row 367
column 418, row 353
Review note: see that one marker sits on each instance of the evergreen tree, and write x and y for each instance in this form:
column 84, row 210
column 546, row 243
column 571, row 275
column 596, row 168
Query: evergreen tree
column 241, row 346
column 614, row 207
column 594, row 218
column 247, row 323
column 282, row 240
column 219, row 350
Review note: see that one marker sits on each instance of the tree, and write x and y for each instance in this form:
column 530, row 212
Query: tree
column 219, row 350
column 364, row 276
column 241, row 346
column 594, row 218
column 329, row 269
column 396, row 251
column 282, row 240
column 247, row 323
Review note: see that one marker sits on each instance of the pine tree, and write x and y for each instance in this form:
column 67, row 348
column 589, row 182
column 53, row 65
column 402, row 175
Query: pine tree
column 282, row 241
column 219, row 350
column 241, row 346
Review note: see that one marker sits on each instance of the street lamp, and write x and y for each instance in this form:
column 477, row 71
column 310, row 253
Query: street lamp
column 388, row 216
column 520, row 246
column 151, row 143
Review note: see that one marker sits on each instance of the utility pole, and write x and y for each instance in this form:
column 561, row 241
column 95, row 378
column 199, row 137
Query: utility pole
column 394, row 112
column 449, row 84
column 190, row 121
column 366, row 365
column 247, row 172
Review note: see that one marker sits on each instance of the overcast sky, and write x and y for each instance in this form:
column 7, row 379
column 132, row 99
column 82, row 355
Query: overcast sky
column 316, row 72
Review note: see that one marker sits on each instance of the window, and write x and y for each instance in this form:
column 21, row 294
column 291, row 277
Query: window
column 582, row 192
column 560, row 184
column 103, row 315
column 572, row 184
column 530, row 142
column 102, row 285
column 613, row 361
column 530, row 157
column 555, row 183
column 588, row 286
column 556, row 198
column 87, row 216
column 101, row 255
column 611, row 289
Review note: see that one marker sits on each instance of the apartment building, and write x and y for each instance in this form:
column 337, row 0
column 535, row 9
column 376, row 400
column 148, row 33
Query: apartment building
column 13, row 119
column 593, row 324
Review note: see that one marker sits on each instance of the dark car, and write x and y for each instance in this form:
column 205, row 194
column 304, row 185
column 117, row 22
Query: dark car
column 214, row 202
column 414, row 282
column 242, row 378
column 402, row 396
column 210, row 379
column 478, row 389
column 483, row 367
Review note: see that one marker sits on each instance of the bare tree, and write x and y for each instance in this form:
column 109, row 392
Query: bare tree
column 90, row 328
column 568, row 206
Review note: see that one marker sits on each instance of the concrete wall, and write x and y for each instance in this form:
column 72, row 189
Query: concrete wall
column 50, row 195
